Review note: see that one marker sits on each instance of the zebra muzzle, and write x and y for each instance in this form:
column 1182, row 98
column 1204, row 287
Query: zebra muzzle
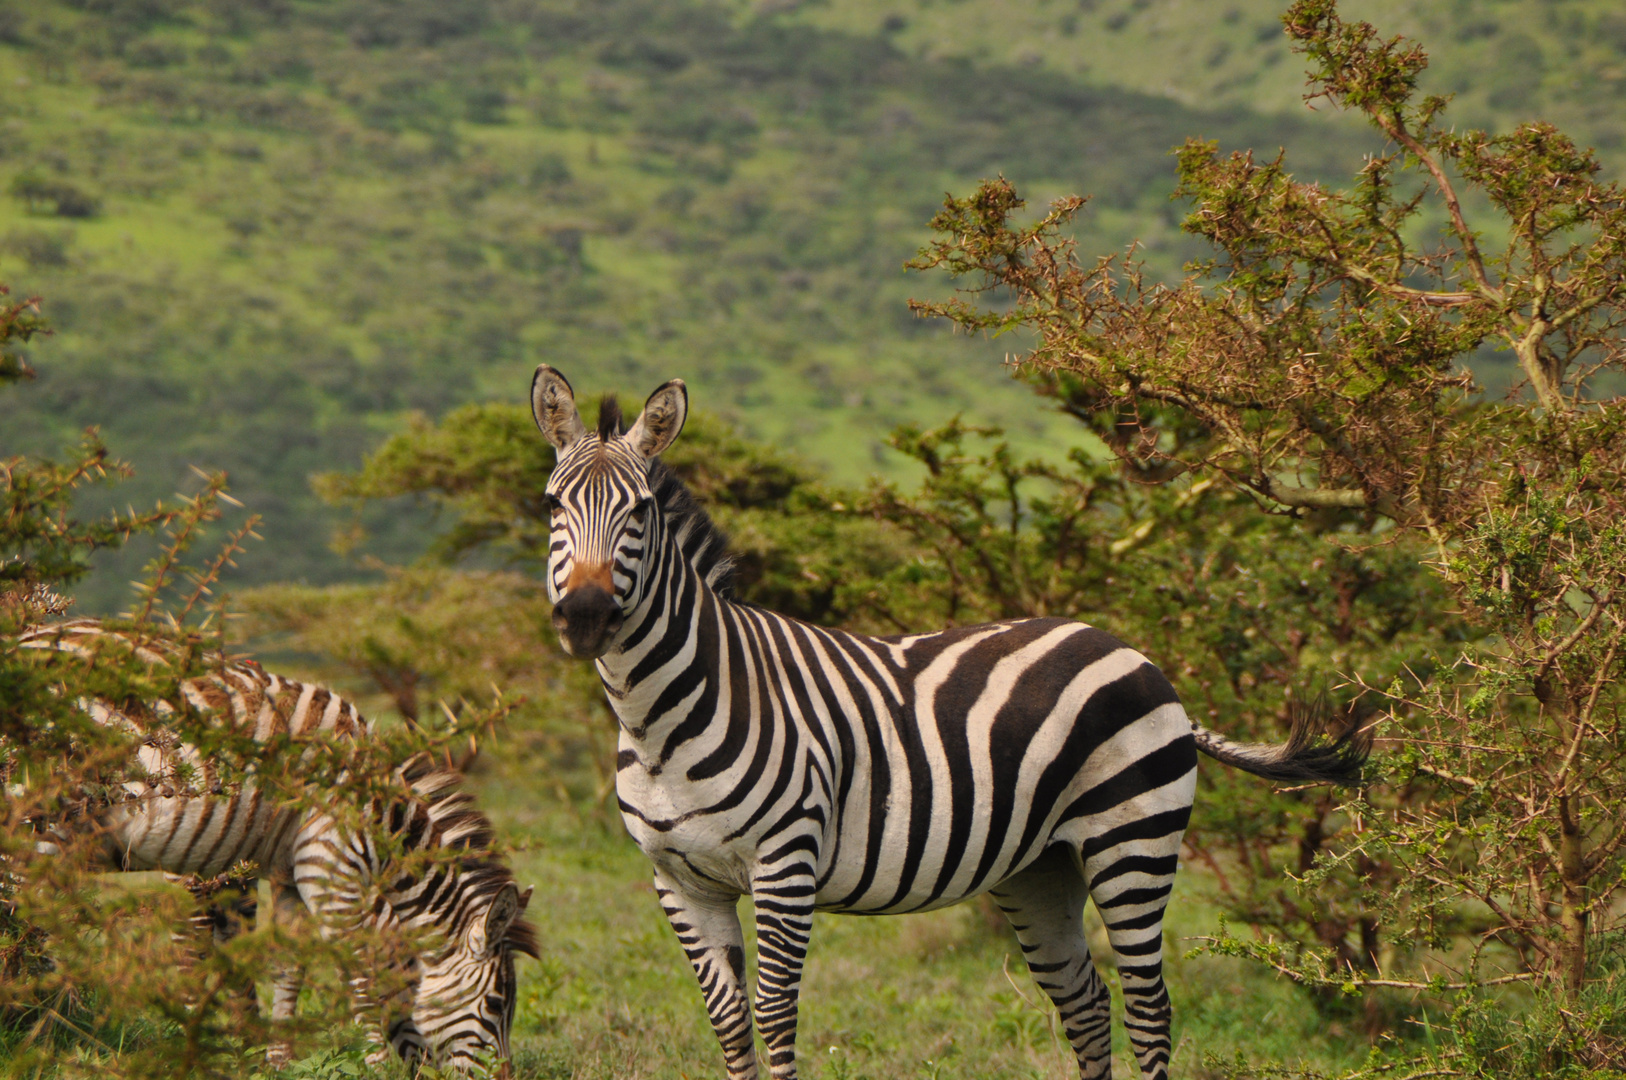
column 587, row 619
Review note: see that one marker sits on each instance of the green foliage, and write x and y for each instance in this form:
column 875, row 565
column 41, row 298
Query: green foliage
column 59, row 197
column 18, row 323
column 485, row 466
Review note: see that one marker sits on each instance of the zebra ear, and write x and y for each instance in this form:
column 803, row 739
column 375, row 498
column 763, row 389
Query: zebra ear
column 553, row 404
column 505, row 908
column 658, row 425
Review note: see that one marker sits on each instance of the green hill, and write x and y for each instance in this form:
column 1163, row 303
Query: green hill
column 270, row 230
column 1505, row 61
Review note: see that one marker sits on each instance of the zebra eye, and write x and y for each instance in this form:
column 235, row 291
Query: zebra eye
column 552, row 503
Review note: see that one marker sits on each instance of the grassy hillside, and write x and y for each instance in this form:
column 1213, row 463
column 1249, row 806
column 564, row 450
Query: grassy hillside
column 269, row 231
column 1505, row 60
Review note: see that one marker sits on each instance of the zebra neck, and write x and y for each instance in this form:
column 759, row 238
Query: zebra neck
column 669, row 653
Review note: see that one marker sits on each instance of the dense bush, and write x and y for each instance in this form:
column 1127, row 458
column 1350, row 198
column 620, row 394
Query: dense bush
column 95, row 978
column 1314, row 364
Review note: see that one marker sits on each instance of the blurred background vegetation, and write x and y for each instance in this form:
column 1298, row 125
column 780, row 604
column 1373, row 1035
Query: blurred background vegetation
column 273, row 231
column 322, row 245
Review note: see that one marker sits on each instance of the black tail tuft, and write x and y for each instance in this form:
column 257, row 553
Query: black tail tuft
column 1310, row 755
column 1307, row 757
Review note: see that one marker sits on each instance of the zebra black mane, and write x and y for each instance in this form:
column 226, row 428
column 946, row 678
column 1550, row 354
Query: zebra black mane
column 459, row 824
column 609, row 417
column 698, row 537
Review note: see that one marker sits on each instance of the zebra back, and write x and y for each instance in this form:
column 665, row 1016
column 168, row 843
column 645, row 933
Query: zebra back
column 238, row 691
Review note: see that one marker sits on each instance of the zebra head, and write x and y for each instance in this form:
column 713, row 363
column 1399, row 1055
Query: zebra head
column 601, row 507
column 463, row 1008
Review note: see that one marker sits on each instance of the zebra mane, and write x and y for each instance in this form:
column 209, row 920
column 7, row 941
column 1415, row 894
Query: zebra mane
column 609, row 418
column 456, row 822
column 698, row 537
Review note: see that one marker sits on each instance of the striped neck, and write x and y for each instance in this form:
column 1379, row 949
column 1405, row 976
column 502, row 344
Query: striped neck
column 672, row 635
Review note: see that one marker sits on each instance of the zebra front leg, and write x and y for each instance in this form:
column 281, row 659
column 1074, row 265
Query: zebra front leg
column 708, row 928
column 286, row 979
column 783, row 897
column 1045, row 906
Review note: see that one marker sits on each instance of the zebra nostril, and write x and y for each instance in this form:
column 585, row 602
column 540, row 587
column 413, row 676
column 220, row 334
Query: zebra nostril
column 587, row 618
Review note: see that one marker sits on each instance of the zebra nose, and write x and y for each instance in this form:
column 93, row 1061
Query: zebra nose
column 587, row 619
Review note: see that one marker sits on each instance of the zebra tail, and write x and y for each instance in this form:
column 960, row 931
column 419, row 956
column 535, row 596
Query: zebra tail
column 1307, row 757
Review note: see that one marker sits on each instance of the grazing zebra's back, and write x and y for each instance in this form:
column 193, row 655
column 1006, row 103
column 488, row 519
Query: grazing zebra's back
column 1039, row 760
column 178, row 813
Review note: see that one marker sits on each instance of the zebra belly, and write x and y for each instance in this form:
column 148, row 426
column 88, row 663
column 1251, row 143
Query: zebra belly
column 205, row 835
column 692, row 859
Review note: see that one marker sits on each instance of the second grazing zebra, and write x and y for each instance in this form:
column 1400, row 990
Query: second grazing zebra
column 1039, row 760
column 176, row 814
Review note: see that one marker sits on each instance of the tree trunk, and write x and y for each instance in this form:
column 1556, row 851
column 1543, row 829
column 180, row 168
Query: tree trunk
column 1572, row 905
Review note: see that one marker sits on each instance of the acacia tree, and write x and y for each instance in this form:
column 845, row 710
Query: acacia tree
column 1318, row 362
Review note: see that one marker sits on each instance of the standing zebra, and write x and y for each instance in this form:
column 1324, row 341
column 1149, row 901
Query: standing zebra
column 177, row 815
column 1040, row 760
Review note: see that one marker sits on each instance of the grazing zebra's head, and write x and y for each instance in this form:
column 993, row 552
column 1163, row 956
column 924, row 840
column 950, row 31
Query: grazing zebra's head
column 462, row 985
column 463, row 1004
column 602, row 507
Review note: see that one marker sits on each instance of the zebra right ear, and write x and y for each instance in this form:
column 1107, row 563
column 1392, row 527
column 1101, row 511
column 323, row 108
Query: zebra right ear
column 661, row 419
column 553, row 404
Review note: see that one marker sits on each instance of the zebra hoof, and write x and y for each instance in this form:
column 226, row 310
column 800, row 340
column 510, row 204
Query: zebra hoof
column 279, row 1054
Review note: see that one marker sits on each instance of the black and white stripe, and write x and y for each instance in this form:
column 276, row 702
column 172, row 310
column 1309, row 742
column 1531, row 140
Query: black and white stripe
column 178, row 814
column 1039, row 760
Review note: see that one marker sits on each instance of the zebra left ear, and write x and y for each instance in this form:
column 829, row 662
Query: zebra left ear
column 504, row 909
column 553, row 405
column 658, row 425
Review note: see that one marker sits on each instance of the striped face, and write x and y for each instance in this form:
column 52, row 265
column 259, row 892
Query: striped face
column 601, row 509
column 464, row 1012
column 463, row 1009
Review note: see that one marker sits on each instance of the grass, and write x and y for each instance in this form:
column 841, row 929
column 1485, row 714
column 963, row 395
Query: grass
column 942, row 994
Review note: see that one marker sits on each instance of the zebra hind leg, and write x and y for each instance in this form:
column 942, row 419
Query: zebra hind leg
column 1045, row 906
column 1131, row 878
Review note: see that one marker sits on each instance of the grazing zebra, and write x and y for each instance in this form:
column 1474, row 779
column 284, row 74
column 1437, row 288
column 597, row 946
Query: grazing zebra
column 1040, row 760
column 179, row 816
